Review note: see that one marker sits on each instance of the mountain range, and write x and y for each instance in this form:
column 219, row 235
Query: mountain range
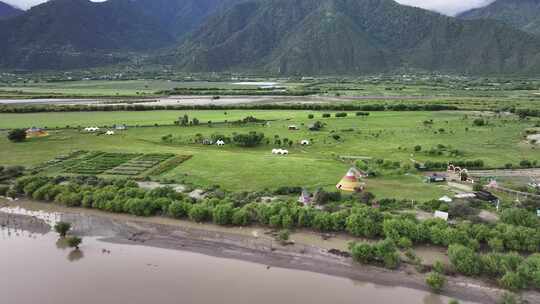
column 8, row 11
column 270, row 36
column 522, row 14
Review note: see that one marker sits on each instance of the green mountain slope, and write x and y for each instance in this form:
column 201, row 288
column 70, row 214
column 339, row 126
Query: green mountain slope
column 522, row 14
column 353, row 36
column 8, row 11
column 78, row 33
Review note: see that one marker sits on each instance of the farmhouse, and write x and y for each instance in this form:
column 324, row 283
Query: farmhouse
column 36, row 132
column 350, row 182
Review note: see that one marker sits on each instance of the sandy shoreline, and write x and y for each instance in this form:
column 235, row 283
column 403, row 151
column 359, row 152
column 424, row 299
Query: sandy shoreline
column 261, row 249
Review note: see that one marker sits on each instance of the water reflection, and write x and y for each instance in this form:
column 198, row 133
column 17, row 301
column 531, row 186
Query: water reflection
column 75, row 255
column 432, row 299
column 62, row 244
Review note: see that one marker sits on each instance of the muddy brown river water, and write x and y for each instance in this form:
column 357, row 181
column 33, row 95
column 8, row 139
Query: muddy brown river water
column 37, row 269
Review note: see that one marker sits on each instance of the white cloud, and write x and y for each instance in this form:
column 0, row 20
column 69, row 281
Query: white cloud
column 449, row 7
column 26, row 4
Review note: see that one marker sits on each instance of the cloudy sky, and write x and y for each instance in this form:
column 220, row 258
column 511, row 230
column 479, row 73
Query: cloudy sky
column 449, row 7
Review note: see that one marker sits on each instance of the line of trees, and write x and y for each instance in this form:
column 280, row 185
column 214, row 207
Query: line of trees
column 310, row 107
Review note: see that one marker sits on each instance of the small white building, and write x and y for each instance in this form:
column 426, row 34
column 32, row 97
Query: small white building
column 305, row 142
column 465, row 195
column 220, row 143
column 441, row 214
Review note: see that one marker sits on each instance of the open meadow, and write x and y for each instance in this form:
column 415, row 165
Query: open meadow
column 390, row 142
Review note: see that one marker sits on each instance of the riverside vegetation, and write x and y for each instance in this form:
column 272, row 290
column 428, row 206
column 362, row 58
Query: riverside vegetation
column 507, row 251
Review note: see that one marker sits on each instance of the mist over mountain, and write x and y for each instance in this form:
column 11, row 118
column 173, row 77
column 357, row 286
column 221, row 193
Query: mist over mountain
column 269, row 36
column 522, row 14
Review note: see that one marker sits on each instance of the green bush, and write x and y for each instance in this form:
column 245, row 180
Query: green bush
column 62, row 228
column 405, row 242
column 240, row 217
column 17, row 135
column 364, row 221
column 435, row 281
column 74, row 241
column 512, row 281
column 179, row 209
column 3, row 189
column 464, row 259
column 199, row 213
column 222, row 214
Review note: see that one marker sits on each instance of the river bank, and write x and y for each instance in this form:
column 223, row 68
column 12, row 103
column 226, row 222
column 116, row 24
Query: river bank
column 246, row 244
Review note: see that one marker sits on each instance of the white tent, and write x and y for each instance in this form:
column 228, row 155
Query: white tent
column 280, row 151
column 91, row 129
column 445, row 199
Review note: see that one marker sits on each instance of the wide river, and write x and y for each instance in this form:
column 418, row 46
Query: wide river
column 36, row 269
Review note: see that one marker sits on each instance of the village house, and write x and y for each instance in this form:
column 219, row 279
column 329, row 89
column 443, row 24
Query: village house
column 305, row 198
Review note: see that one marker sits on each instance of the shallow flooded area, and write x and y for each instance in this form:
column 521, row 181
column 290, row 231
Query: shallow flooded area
column 38, row 268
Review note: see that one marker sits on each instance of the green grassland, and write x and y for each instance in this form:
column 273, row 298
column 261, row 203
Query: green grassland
column 384, row 135
column 465, row 93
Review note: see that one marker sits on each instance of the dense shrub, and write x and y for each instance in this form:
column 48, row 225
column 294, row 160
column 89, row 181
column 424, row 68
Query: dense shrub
column 250, row 139
column 364, row 221
column 17, row 135
column 383, row 252
column 519, row 217
column 464, row 259
column 199, row 213
column 222, row 214
column 179, row 209
column 435, row 281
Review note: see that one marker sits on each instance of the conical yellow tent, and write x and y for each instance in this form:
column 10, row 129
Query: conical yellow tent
column 350, row 182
